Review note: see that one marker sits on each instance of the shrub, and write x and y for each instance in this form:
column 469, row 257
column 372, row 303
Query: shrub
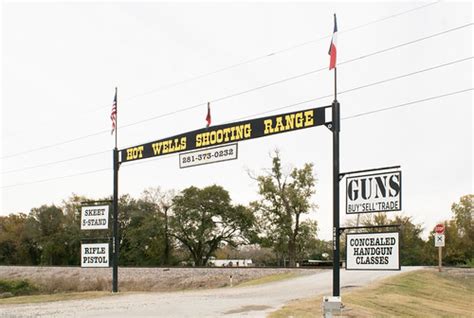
column 16, row 288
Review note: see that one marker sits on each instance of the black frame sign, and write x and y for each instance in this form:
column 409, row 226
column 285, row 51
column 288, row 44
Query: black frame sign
column 373, row 251
column 227, row 133
column 377, row 192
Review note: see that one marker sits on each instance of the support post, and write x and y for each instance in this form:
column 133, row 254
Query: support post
column 336, row 118
column 115, row 241
column 440, row 255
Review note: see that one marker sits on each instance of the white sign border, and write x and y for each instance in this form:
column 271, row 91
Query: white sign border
column 375, row 269
column 436, row 240
column 368, row 175
column 102, row 227
column 108, row 255
column 236, row 145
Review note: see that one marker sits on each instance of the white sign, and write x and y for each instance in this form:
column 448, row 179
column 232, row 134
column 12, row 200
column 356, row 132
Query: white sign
column 208, row 155
column 380, row 192
column 439, row 240
column 95, row 255
column 95, row 217
column 373, row 251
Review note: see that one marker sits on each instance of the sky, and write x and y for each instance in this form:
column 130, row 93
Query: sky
column 404, row 85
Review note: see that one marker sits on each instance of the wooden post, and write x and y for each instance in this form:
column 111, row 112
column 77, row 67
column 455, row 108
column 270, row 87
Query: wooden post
column 440, row 255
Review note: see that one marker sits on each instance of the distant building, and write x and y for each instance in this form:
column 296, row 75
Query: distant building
column 230, row 262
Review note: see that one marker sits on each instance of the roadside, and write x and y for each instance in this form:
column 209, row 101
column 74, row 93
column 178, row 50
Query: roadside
column 255, row 301
column 446, row 294
column 65, row 296
column 63, row 283
column 42, row 298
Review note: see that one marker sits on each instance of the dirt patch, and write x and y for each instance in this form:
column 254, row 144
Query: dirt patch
column 76, row 279
column 247, row 309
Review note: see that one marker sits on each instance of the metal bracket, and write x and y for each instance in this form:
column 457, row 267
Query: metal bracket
column 96, row 202
column 369, row 170
column 329, row 126
column 95, row 239
column 343, row 229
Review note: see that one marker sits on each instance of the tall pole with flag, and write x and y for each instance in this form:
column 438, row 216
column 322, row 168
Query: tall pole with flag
column 336, row 120
column 208, row 116
column 115, row 239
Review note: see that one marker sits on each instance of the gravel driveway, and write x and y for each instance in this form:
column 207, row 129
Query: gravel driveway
column 254, row 301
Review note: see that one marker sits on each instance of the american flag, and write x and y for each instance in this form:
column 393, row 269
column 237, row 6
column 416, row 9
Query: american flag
column 113, row 114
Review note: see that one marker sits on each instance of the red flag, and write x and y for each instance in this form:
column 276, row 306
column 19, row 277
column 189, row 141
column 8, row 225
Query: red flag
column 208, row 117
column 113, row 114
column 332, row 49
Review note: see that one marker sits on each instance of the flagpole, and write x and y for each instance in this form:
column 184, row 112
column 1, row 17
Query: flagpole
column 116, row 119
column 115, row 242
column 336, row 120
column 335, row 138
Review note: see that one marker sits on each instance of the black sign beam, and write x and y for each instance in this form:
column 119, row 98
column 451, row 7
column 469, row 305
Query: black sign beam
column 227, row 133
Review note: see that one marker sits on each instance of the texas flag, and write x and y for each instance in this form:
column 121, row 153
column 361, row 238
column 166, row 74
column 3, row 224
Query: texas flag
column 208, row 117
column 332, row 49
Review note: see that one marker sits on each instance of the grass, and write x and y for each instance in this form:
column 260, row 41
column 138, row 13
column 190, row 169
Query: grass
column 425, row 293
column 53, row 297
column 23, row 292
column 268, row 279
column 9, row 288
column 470, row 263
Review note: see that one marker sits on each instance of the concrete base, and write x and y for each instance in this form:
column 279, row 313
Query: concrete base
column 331, row 305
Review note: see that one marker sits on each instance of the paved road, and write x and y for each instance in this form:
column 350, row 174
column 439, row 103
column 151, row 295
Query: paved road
column 255, row 301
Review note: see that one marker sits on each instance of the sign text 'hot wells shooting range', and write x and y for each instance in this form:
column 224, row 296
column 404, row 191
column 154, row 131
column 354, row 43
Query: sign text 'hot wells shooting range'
column 223, row 134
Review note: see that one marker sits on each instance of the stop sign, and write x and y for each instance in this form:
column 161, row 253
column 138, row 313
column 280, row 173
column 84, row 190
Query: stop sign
column 439, row 228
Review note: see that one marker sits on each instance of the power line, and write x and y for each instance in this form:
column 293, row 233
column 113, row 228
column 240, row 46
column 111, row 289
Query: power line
column 56, row 178
column 243, row 92
column 345, row 118
column 56, row 162
column 313, row 99
column 408, row 103
column 348, row 117
column 408, row 74
column 57, row 144
column 271, row 54
column 408, row 43
column 361, row 87
column 292, row 77
column 261, row 57
column 287, row 106
column 357, row 88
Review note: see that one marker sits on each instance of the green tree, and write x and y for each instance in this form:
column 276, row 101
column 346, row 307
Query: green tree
column 412, row 245
column 72, row 228
column 285, row 198
column 16, row 246
column 307, row 243
column 463, row 218
column 46, row 226
column 163, row 202
column 203, row 219
column 141, row 233
column 459, row 234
